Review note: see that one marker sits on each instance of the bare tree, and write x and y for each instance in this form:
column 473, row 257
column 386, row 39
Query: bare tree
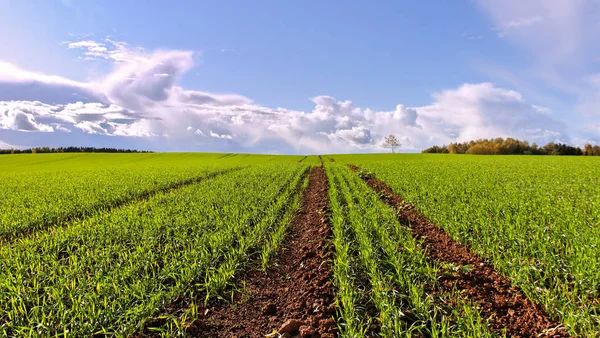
column 391, row 142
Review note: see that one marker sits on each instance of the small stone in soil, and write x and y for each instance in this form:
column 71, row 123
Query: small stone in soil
column 290, row 326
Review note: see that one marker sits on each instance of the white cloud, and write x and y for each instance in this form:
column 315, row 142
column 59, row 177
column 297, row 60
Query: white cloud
column 561, row 37
column 140, row 98
column 12, row 73
column 20, row 84
column 357, row 136
column 195, row 97
column 4, row 145
column 506, row 27
column 107, row 50
column 133, row 85
column 482, row 110
column 223, row 136
column 523, row 22
column 555, row 31
column 93, row 118
column 22, row 118
column 91, row 128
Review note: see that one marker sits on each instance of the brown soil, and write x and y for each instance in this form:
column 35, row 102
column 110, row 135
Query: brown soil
column 295, row 296
column 504, row 305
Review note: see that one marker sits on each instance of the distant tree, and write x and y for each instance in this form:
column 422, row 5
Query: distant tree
column 511, row 146
column 588, row 150
column 45, row 150
column 436, row 150
column 391, row 142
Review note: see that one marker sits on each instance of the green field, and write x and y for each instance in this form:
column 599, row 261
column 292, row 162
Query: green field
column 537, row 219
column 102, row 244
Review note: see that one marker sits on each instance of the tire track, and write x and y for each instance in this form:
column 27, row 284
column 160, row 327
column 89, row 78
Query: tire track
column 7, row 238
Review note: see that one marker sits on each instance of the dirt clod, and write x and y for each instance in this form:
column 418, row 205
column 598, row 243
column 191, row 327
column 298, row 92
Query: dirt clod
column 290, row 326
column 307, row 331
column 327, row 323
column 270, row 309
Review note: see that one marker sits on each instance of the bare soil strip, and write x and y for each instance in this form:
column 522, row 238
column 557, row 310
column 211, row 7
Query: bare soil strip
column 506, row 308
column 295, row 296
column 77, row 215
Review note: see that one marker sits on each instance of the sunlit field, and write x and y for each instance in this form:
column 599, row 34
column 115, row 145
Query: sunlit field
column 155, row 244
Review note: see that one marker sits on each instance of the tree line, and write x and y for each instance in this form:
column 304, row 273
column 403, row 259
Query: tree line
column 47, row 150
column 511, row 146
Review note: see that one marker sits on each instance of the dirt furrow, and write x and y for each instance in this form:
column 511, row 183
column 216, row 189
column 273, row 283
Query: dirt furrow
column 295, row 296
column 504, row 306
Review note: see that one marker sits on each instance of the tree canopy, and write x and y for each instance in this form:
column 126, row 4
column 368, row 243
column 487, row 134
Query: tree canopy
column 511, row 146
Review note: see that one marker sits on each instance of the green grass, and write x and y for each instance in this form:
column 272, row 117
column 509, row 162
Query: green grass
column 103, row 243
column 44, row 190
column 537, row 219
column 382, row 276
column 113, row 271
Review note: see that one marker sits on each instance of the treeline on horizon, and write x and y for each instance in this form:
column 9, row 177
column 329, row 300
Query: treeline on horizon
column 47, row 150
column 511, row 146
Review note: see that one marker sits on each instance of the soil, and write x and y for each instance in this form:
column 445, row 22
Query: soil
column 504, row 305
column 295, row 296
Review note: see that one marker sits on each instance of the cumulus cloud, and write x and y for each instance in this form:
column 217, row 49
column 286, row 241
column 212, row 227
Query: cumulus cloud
column 19, row 117
column 357, row 136
column 140, row 98
column 92, row 118
column 133, row 85
column 17, row 120
column 482, row 110
column 224, row 136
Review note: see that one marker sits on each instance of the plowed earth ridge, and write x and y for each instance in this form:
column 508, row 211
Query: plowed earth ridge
column 507, row 309
column 295, row 295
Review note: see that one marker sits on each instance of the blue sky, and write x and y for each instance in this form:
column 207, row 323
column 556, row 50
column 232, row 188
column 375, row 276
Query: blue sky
column 304, row 77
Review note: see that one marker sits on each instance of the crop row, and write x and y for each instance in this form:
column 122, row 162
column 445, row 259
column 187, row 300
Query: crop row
column 111, row 273
column 34, row 200
column 386, row 286
column 535, row 219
